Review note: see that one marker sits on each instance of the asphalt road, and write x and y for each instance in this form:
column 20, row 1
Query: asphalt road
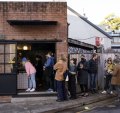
column 104, row 106
column 112, row 108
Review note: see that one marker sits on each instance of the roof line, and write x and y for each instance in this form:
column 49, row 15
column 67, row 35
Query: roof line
column 86, row 20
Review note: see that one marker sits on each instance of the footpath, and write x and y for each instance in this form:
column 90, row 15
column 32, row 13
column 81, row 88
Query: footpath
column 46, row 104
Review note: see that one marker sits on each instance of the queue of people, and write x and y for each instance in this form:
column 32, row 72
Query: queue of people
column 77, row 72
column 55, row 75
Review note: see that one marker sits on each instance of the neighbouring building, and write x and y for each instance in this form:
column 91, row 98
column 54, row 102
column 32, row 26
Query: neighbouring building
column 115, row 42
column 80, row 28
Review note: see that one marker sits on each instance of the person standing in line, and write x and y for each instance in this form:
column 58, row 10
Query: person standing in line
column 72, row 79
column 93, row 69
column 39, row 72
column 48, row 70
column 61, row 68
column 108, row 76
column 31, row 71
column 82, row 70
column 116, row 77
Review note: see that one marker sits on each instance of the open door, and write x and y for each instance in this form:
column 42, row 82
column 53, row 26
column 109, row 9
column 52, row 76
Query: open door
column 8, row 67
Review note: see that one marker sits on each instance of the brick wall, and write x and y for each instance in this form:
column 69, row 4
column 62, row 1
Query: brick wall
column 46, row 11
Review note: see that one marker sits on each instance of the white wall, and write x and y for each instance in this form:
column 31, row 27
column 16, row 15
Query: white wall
column 81, row 30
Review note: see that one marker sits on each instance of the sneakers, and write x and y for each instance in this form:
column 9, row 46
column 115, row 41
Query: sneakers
column 50, row 90
column 32, row 90
column 111, row 93
column 86, row 94
column 104, row 92
column 28, row 89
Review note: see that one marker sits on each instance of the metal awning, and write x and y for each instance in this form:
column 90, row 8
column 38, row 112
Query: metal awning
column 30, row 41
column 79, row 44
column 31, row 22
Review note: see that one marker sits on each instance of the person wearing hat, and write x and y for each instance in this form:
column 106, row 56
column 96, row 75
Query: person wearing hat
column 31, row 71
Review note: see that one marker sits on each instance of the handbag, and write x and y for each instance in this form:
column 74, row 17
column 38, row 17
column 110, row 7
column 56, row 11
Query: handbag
column 65, row 74
column 67, row 78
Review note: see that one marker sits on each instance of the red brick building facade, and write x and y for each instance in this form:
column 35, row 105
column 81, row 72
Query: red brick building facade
column 35, row 11
column 41, row 25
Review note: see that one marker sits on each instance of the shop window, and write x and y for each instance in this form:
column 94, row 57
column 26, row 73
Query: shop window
column 1, row 48
column 1, row 58
column 9, row 68
column 7, row 58
column 10, row 48
column 10, row 58
column 1, row 68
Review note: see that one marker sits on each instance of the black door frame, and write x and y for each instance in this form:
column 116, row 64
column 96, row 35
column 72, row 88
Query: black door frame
column 8, row 81
column 37, row 42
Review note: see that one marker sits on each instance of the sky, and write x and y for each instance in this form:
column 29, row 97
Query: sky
column 95, row 10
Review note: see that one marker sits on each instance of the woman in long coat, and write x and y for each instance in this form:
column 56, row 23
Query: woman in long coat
column 83, row 76
column 116, row 77
column 61, row 68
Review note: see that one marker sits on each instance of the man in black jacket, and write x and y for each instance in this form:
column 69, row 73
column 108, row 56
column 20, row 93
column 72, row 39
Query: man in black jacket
column 93, row 68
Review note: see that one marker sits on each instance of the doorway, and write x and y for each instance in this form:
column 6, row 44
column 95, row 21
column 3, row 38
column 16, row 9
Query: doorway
column 32, row 50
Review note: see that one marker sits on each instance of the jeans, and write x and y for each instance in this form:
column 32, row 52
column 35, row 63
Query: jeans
column 31, row 81
column 61, row 90
column 108, row 85
column 92, row 81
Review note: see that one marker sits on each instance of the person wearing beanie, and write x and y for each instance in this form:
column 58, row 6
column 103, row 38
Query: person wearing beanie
column 31, row 72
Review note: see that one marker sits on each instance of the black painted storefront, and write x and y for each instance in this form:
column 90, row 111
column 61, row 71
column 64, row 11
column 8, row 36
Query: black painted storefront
column 8, row 75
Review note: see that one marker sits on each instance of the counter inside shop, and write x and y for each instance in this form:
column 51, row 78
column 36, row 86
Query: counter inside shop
column 22, row 80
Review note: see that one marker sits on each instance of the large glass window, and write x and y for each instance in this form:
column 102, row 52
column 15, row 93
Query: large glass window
column 7, row 58
column 1, row 48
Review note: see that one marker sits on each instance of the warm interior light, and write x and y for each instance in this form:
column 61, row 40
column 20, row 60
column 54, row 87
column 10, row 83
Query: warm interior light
column 25, row 47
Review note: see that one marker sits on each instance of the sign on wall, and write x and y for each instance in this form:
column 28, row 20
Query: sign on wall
column 99, row 41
